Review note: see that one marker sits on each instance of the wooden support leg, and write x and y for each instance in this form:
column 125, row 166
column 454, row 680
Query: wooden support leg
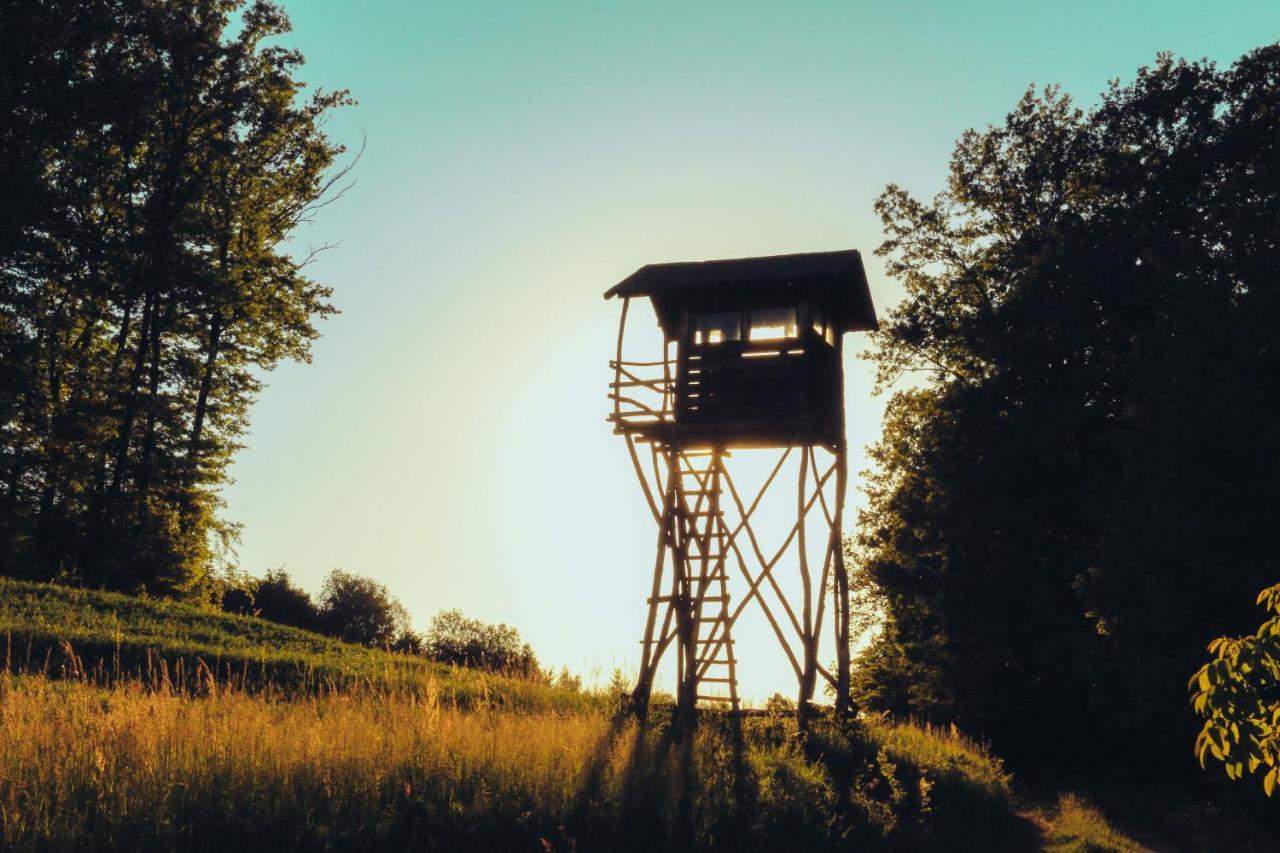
column 652, row 650
column 809, row 642
column 686, row 621
column 844, row 705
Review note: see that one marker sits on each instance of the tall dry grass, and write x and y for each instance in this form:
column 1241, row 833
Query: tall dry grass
column 137, row 766
column 131, row 767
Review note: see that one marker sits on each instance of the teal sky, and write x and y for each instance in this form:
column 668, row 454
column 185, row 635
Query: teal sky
column 449, row 437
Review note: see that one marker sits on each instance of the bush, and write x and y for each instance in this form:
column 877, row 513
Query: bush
column 455, row 638
column 276, row 599
column 408, row 643
column 360, row 610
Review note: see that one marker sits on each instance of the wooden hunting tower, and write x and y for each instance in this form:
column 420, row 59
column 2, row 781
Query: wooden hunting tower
column 751, row 358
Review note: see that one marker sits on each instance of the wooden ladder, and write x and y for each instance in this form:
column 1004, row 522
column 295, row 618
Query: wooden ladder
column 704, row 577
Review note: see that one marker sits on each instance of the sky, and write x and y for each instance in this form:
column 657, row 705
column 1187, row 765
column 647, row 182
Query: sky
column 449, row 437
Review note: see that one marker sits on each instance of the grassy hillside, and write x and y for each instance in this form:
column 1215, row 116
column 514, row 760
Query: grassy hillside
column 361, row 750
column 52, row 630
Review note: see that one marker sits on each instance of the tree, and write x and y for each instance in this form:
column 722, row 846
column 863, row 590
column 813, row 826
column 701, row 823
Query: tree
column 1079, row 491
column 360, row 610
column 455, row 638
column 276, row 598
column 156, row 161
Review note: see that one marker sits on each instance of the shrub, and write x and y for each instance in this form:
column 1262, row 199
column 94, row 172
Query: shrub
column 274, row 598
column 360, row 610
column 277, row 599
column 455, row 638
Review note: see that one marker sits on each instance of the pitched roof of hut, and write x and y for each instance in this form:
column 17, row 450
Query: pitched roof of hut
column 836, row 278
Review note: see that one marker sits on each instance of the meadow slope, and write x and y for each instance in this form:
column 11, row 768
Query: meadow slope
column 144, row 725
column 113, row 636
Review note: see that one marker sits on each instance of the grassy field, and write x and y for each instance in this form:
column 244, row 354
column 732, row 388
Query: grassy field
column 117, row 636
column 361, row 750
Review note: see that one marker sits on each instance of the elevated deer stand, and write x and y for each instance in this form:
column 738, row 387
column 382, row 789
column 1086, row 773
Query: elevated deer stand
column 751, row 358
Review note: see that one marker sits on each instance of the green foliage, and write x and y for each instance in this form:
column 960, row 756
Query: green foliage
column 275, row 598
column 1238, row 694
column 1091, row 309
column 1078, row 827
column 154, row 159
column 360, row 610
column 455, row 638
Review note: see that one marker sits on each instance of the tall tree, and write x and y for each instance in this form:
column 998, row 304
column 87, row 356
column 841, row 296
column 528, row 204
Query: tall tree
column 1079, row 494
column 158, row 161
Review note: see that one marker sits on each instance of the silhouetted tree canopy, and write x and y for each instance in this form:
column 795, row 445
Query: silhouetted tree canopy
column 455, row 638
column 276, row 598
column 360, row 610
column 153, row 160
column 1081, row 492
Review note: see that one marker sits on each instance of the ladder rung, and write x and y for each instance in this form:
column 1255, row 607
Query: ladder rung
column 692, row 599
column 716, row 640
column 716, row 680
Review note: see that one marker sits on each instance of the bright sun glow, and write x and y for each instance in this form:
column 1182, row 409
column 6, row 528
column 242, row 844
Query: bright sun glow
column 522, row 164
column 769, row 333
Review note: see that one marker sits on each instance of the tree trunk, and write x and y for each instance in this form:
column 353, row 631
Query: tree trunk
column 125, row 434
column 122, row 342
column 153, row 405
column 202, row 407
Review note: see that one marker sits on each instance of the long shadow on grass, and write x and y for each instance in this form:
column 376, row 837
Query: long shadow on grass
column 735, row 784
column 890, row 802
column 666, row 785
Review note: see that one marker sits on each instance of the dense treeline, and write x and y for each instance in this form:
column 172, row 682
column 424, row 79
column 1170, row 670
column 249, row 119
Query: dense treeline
column 1083, row 492
column 154, row 156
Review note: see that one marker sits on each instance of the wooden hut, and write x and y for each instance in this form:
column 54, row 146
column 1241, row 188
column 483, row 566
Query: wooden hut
column 753, row 350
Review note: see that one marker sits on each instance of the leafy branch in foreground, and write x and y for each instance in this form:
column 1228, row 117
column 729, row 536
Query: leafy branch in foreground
column 1238, row 694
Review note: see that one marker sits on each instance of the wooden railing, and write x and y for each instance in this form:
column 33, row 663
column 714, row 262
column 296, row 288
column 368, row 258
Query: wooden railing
column 642, row 393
